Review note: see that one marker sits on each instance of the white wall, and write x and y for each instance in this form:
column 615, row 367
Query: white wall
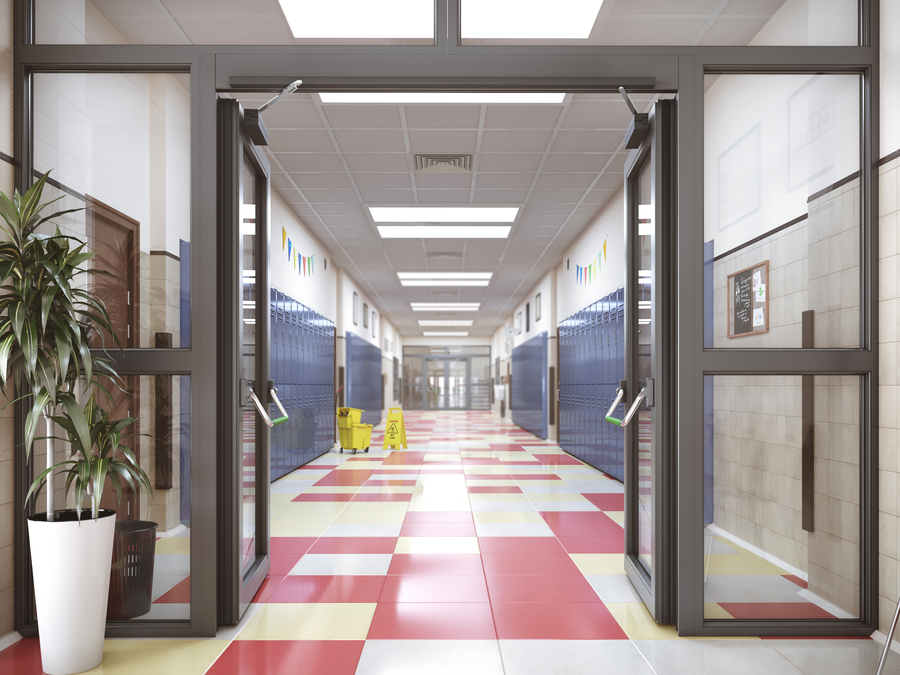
column 609, row 227
column 318, row 291
column 348, row 287
column 390, row 335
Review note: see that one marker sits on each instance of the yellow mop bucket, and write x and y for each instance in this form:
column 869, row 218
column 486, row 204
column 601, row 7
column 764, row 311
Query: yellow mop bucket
column 354, row 435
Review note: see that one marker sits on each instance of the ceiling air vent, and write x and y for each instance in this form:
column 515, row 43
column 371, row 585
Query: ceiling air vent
column 444, row 254
column 443, row 163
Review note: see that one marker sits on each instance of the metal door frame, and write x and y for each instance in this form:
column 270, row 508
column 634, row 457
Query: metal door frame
column 446, row 358
column 450, row 65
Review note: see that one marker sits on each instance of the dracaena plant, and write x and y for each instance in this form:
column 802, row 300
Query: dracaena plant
column 48, row 318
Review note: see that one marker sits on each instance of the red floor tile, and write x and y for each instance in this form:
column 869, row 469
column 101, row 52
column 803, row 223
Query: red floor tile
column 383, row 496
column 520, row 545
column 775, row 610
column 796, row 580
column 354, row 545
column 607, row 502
column 480, row 461
column 540, row 588
column 345, row 477
column 555, row 621
column 535, row 476
column 434, row 588
column 438, row 517
column 506, row 447
column 324, row 497
column 283, row 563
column 584, row 529
column 389, row 472
column 284, row 657
column 494, row 489
column 269, row 584
column 391, row 482
column 528, row 563
column 436, row 563
column 22, row 658
column 432, row 621
column 570, row 517
column 402, row 457
column 180, row 592
column 413, row 529
column 328, row 589
column 593, row 544
column 291, row 544
column 556, row 460
column 489, row 476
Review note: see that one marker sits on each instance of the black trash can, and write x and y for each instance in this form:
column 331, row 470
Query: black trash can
column 131, row 580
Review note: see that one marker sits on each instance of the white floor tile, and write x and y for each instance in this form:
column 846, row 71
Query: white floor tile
column 572, row 657
column 430, row 657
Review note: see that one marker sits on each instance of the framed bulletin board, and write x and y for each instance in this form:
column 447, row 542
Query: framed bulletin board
column 748, row 301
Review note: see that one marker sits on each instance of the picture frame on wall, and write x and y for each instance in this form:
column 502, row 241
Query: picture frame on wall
column 519, row 323
column 537, row 308
column 373, row 324
column 365, row 315
column 355, row 309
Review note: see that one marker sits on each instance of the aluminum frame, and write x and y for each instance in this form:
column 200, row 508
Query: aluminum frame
column 448, row 65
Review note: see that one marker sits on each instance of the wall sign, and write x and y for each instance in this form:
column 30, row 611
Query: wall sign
column 748, row 301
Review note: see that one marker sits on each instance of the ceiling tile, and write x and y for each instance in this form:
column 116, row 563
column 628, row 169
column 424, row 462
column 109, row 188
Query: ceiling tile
column 387, row 196
column 514, row 141
column 370, row 141
column 650, row 31
column 321, row 180
column 303, row 141
column 288, row 114
column 362, row 117
column 317, row 196
column 555, row 197
column 500, row 196
column 341, row 209
column 310, row 161
column 587, row 141
column 611, row 181
column 507, row 162
column 443, row 180
column 521, row 117
column 442, row 116
column 442, row 141
column 382, row 180
column 600, row 196
column 503, row 180
column 377, row 162
column 547, row 209
column 439, row 196
column 611, row 115
column 564, row 180
column 572, row 162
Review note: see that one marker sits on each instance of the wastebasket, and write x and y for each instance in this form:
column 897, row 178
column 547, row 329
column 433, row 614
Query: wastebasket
column 354, row 436
column 131, row 580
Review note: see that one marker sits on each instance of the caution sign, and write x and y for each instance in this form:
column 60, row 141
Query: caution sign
column 395, row 431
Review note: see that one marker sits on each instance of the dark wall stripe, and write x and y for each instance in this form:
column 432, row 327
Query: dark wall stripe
column 765, row 235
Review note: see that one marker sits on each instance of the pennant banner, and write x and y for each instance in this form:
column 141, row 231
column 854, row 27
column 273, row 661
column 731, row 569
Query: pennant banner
column 588, row 274
column 302, row 263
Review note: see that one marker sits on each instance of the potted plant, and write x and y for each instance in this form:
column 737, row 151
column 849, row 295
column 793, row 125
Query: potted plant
column 47, row 321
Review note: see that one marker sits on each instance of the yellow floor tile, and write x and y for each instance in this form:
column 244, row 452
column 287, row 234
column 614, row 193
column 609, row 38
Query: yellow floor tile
column 437, row 545
column 372, row 512
column 740, row 563
column 637, row 623
column 309, row 511
column 428, row 505
column 173, row 545
column 618, row 516
column 293, row 528
column 387, row 489
column 491, row 483
column 310, row 621
column 508, row 516
column 712, row 610
column 152, row 657
column 278, row 500
column 487, row 470
column 497, row 497
column 332, row 489
column 599, row 563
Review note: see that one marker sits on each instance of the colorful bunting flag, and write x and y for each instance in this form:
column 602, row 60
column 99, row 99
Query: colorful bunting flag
column 591, row 272
column 283, row 237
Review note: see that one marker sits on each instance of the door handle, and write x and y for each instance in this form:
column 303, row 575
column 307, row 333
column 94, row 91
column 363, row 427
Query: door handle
column 262, row 411
column 631, row 412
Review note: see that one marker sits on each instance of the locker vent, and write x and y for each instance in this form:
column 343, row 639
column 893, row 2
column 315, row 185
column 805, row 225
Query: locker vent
column 443, row 163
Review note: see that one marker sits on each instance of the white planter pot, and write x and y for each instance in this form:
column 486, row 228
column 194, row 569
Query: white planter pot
column 71, row 563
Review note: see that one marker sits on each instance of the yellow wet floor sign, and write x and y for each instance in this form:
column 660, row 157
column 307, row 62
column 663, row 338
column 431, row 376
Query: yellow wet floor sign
column 395, row 431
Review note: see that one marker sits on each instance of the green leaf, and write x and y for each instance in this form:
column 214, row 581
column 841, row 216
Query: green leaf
column 41, row 399
column 79, row 421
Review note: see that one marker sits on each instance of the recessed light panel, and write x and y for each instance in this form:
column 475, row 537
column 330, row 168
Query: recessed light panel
column 444, row 333
column 481, row 98
column 446, row 323
column 445, row 275
column 360, row 19
column 444, row 231
column 528, row 19
column 445, row 306
column 443, row 214
column 443, row 282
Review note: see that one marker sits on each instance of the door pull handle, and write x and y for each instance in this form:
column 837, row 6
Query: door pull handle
column 262, row 411
column 631, row 412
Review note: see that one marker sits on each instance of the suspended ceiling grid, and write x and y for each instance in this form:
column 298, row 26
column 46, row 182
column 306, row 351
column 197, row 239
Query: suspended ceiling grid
column 560, row 163
column 619, row 22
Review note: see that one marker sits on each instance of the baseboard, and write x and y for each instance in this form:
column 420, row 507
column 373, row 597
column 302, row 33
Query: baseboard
column 175, row 531
column 12, row 638
column 765, row 555
column 880, row 637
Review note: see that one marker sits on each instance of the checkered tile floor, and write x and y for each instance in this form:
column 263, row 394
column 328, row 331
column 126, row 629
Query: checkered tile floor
column 481, row 550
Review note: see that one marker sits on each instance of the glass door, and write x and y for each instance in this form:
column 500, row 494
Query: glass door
column 649, row 327
column 447, row 383
column 246, row 391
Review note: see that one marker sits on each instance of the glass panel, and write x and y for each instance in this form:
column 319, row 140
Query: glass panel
column 151, row 565
column 412, row 382
column 118, row 146
column 646, row 230
column 436, row 384
column 480, row 383
column 400, row 22
column 248, row 365
column 782, row 497
column 782, row 211
column 672, row 22
column 457, row 384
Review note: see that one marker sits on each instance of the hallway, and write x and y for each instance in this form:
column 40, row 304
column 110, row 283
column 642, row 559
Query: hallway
column 466, row 553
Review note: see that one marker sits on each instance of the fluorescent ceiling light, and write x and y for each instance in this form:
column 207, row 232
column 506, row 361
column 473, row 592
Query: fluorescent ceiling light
column 359, row 19
column 480, row 98
column 445, row 275
column 447, row 322
column 444, row 333
column 443, row 214
column 445, row 306
column 443, row 282
column 528, row 19
column 444, row 231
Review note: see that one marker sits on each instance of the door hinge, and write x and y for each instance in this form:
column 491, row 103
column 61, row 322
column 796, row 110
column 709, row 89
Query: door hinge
column 129, row 331
column 649, row 392
column 129, row 297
